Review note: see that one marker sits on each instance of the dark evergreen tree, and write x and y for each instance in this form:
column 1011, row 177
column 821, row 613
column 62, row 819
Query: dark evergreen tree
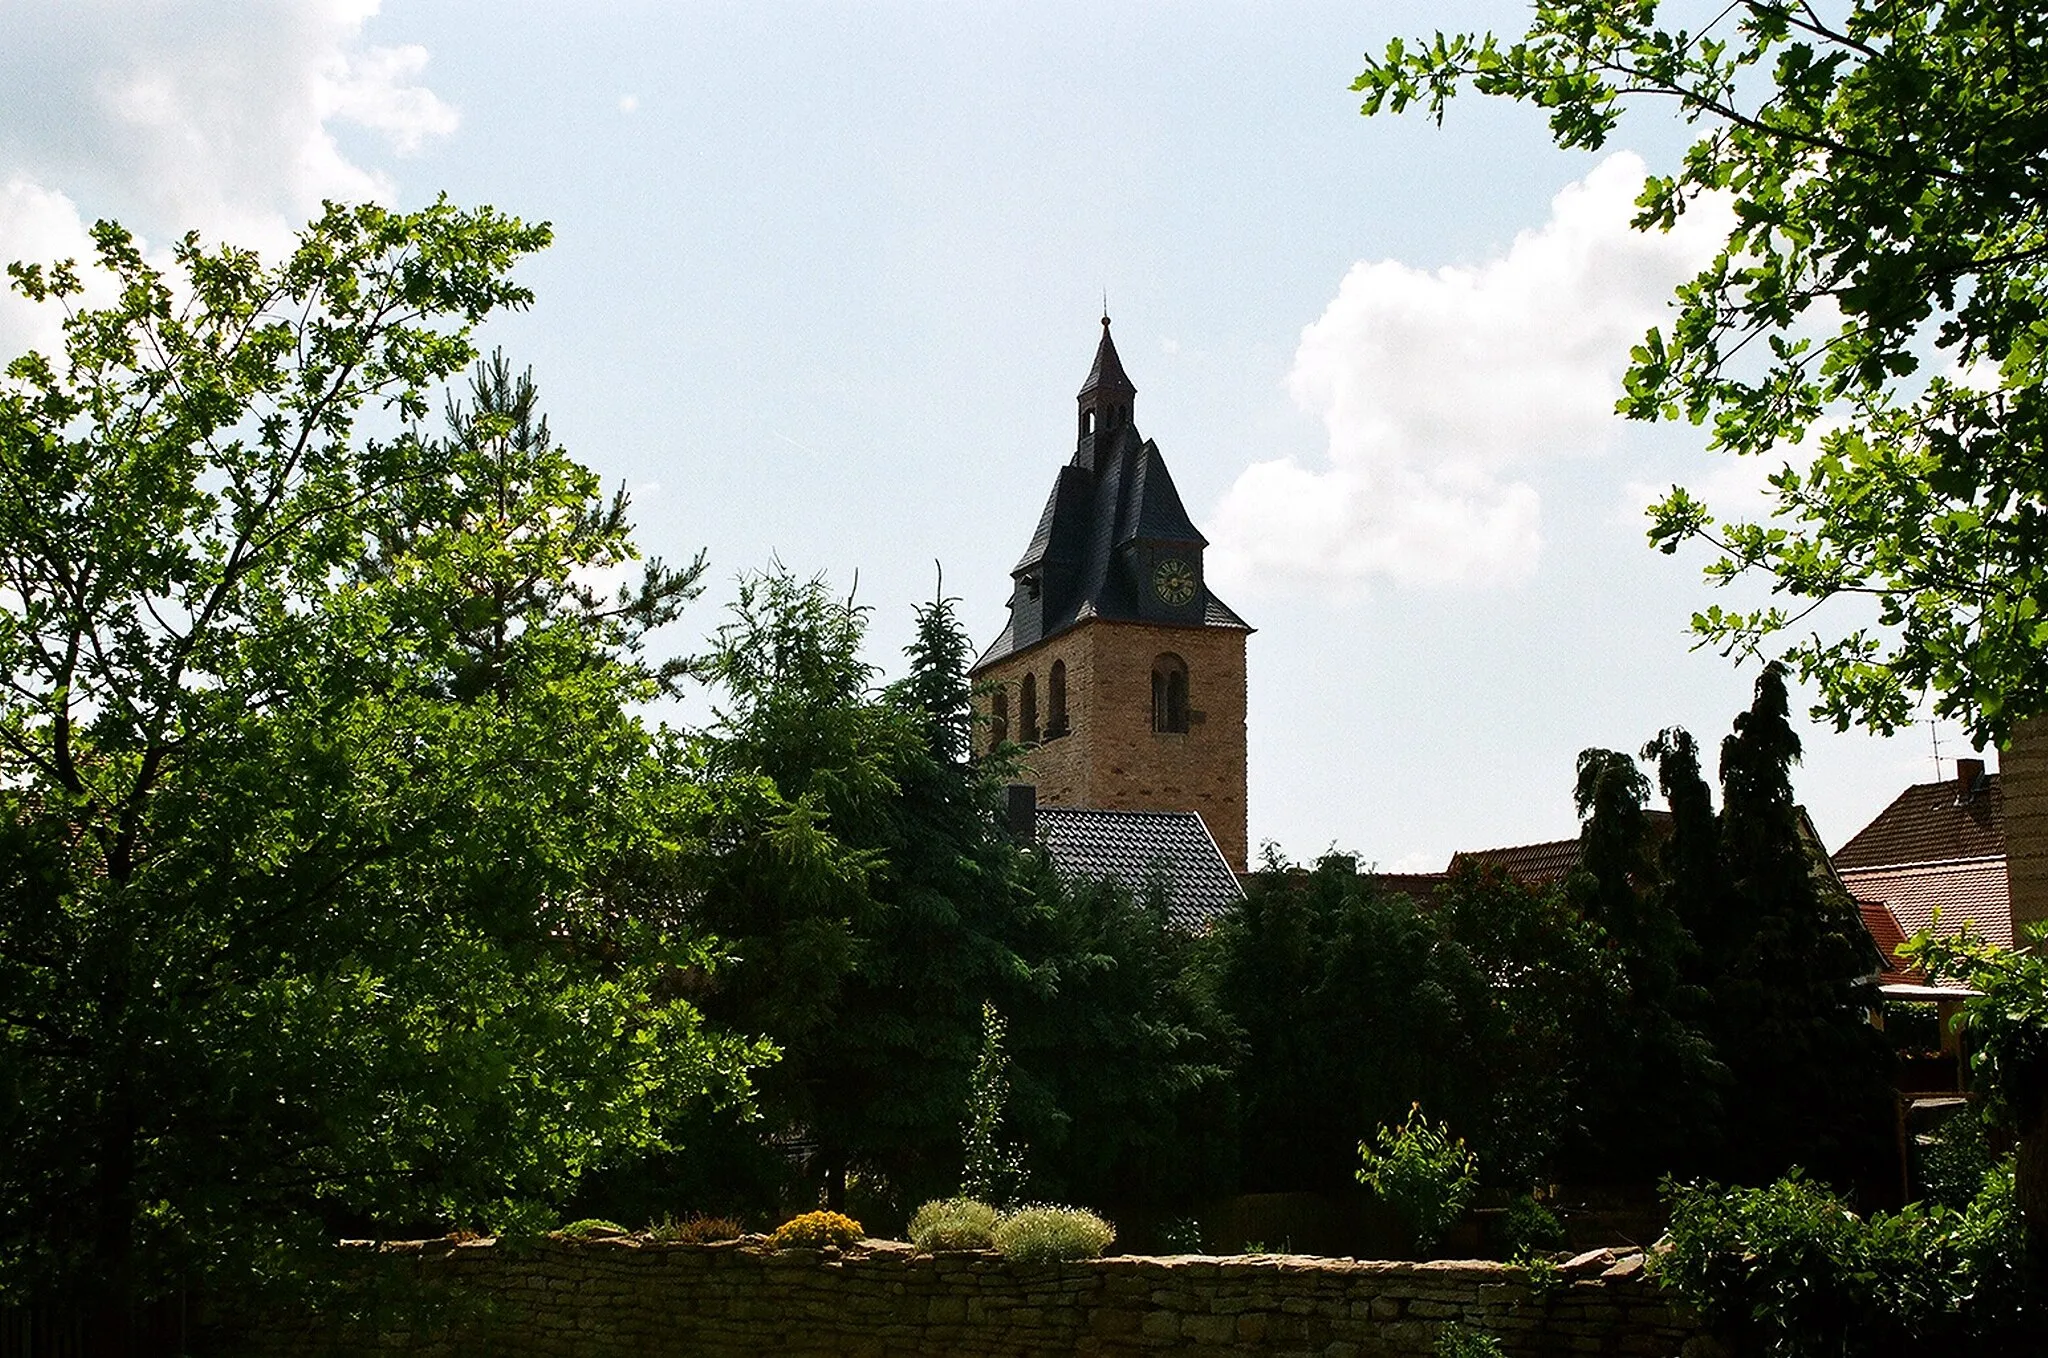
column 872, row 898
column 1695, row 889
column 1791, row 976
column 1122, row 1056
column 1651, row 1096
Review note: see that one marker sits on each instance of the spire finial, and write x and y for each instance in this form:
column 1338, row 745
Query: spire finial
column 1105, row 308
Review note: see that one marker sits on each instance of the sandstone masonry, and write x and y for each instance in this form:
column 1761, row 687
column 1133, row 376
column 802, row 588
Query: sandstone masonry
column 1110, row 757
column 605, row 1298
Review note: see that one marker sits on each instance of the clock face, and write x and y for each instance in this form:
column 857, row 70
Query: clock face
column 1173, row 580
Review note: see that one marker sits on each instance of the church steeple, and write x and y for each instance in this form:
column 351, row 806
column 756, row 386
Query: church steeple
column 1106, row 397
column 1121, row 673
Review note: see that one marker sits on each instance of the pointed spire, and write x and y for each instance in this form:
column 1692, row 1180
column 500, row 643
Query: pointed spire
column 1107, row 375
column 1106, row 397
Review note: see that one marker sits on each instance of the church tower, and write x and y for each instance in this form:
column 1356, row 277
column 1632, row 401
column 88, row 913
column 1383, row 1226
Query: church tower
column 1119, row 672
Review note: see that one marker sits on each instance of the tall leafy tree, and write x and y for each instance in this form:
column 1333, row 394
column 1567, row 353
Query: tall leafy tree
column 327, row 812
column 1351, row 1003
column 1881, row 294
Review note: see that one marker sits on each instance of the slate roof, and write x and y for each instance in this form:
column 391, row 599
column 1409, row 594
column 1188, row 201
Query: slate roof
column 1931, row 823
column 1972, row 890
column 1115, row 493
column 1138, row 848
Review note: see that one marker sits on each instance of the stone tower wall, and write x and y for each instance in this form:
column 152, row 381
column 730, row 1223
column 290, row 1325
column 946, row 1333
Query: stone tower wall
column 2023, row 779
column 1111, row 756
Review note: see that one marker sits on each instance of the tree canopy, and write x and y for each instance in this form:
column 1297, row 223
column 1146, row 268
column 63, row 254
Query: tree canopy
column 334, row 862
column 1875, row 318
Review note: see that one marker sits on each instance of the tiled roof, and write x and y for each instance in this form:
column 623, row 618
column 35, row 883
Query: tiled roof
column 1138, row 848
column 1972, row 890
column 1419, row 887
column 1535, row 864
column 1931, row 823
column 1883, row 928
column 1550, row 861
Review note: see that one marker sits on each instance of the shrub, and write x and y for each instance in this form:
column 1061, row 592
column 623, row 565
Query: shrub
column 1787, row 1271
column 1041, row 1235
column 695, row 1229
column 815, row 1230
column 1528, row 1228
column 590, row 1228
column 953, row 1224
column 1423, row 1173
column 1954, row 1161
column 1457, row 1341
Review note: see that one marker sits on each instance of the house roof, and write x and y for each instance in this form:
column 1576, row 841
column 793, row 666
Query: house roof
column 1550, row 861
column 1932, row 823
column 1419, row 887
column 1138, row 848
column 1534, row 864
column 1970, row 890
column 1883, row 928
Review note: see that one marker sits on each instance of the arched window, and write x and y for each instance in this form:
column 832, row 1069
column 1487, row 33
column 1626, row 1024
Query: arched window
column 1056, row 701
column 1087, row 423
column 1170, row 693
column 998, row 719
column 1027, row 710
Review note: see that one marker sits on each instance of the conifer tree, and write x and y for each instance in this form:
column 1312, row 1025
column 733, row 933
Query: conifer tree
column 1791, row 974
column 1651, row 1095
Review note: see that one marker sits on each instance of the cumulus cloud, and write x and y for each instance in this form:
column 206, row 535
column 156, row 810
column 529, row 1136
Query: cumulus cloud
column 225, row 118
column 1442, row 391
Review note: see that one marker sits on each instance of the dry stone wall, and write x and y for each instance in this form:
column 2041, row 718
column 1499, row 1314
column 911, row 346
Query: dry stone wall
column 597, row 1299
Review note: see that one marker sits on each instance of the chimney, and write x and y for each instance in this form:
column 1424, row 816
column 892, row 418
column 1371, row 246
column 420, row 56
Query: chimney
column 1969, row 775
column 1021, row 811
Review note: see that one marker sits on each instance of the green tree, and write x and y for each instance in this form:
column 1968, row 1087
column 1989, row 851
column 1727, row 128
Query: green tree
column 1882, row 289
column 2008, row 1027
column 305, row 926
column 862, row 880
column 993, row 1169
column 1123, row 1053
column 1351, row 1003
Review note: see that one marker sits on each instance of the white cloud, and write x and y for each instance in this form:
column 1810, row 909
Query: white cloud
column 628, row 103
column 37, row 225
column 1442, row 391
column 222, row 118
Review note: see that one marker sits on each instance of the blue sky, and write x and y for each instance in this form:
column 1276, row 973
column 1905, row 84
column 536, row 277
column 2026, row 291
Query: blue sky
column 827, row 277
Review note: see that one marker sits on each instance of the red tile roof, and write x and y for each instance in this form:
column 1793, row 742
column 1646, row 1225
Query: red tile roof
column 1419, row 887
column 1970, row 891
column 1931, row 823
column 1535, row 864
column 1550, row 861
column 1884, row 931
